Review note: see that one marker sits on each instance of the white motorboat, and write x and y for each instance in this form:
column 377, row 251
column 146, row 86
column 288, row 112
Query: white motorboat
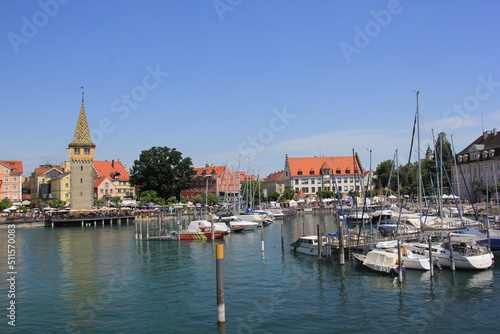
column 237, row 224
column 309, row 245
column 197, row 225
column 379, row 260
column 410, row 259
column 467, row 253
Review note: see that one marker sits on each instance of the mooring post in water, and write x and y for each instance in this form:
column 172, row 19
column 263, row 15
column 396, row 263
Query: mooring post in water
column 282, row 239
column 219, row 264
column 212, row 224
column 147, row 228
column 341, row 244
column 303, row 228
column 320, row 242
column 400, row 262
column 159, row 222
column 262, row 237
column 430, row 257
column 452, row 258
column 136, row 226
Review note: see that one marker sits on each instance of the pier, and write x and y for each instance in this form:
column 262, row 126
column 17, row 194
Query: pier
column 89, row 221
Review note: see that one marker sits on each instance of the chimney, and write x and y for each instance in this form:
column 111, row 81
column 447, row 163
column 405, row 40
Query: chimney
column 113, row 163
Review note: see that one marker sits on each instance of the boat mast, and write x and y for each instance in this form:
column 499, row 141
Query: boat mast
column 419, row 162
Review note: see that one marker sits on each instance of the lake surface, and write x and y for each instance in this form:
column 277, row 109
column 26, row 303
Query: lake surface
column 101, row 280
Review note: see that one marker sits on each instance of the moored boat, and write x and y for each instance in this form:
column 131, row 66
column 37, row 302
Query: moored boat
column 382, row 261
column 309, row 245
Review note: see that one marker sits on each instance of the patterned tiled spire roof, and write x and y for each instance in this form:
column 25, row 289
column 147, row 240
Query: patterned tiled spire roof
column 82, row 133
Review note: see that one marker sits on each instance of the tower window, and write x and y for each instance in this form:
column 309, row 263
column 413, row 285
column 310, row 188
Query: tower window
column 76, row 150
column 81, row 168
column 86, row 151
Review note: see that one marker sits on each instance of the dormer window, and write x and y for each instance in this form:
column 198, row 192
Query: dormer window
column 311, row 172
column 347, row 171
column 299, row 172
column 338, row 171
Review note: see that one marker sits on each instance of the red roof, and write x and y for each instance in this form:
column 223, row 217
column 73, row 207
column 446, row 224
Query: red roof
column 218, row 171
column 313, row 166
column 110, row 169
column 17, row 166
column 278, row 176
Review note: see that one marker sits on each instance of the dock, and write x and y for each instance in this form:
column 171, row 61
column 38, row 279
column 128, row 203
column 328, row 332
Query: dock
column 89, row 221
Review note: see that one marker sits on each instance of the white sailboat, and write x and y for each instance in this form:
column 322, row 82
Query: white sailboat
column 465, row 252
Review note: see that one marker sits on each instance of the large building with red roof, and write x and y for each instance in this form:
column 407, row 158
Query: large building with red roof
column 313, row 174
column 118, row 174
column 11, row 181
column 275, row 182
column 218, row 180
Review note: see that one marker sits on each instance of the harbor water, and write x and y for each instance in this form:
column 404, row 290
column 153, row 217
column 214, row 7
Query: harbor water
column 100, row 279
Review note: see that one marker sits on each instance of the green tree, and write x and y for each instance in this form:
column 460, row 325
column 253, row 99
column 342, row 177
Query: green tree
column 150, row 196
column 383, row 174
column 56, row 203
column 172, row 201
column 116, row 200
column 98, row 203
column 163, row 170
column 274, row 196
column 324, row 194
column 211, row 199
column 5, row 203
column 288, row 194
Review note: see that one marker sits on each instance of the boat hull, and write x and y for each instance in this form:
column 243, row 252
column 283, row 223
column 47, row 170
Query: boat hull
column 202, row 235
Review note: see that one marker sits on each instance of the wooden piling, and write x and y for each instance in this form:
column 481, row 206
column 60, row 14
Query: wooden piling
column 282, row 239
column 262, row 237
column 452, row 258
column 320, row 242
column 221, row 307
column 341, row 244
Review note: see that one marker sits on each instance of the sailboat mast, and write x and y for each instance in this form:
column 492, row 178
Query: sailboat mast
column 419, row 162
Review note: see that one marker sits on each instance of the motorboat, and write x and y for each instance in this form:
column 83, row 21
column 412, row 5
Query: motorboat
column 198, row 225
column 309, row 245
column 237, row 224
column 380, row 260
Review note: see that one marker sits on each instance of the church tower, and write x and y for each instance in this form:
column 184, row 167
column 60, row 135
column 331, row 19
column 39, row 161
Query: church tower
column 81, row 158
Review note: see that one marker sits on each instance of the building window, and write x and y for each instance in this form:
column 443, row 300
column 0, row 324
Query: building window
column 101, row 191
column 6, row 171
column 76, row 151
column 86, row 151
column 106, row 185
column 66, row 195
column 66, row 185
column 6, row 188
column 14, row 179
column 81, row 180
column 6, row 179
column 296, row 181
column 14, row 196
column 14, row 187
column 81, row 168
column 313, row 189
column 305, row 189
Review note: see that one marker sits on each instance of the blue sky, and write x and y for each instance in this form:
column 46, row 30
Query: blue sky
column 242, row 82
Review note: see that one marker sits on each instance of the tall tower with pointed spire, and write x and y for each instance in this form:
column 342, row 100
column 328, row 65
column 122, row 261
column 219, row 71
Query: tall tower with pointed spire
column 81, row 157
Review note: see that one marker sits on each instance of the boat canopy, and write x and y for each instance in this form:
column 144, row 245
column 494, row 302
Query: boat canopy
column 380, row 261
